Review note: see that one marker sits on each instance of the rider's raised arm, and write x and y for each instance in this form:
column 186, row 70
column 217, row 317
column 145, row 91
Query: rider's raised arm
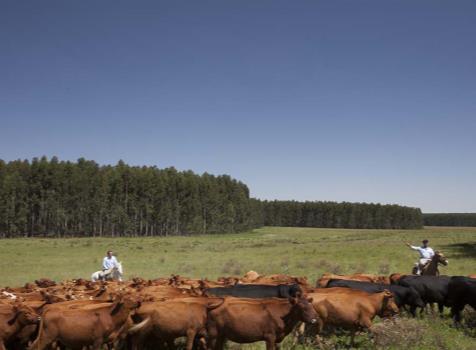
column 414, row 247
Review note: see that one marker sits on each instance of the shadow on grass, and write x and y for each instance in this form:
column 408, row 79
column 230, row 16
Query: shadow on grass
column 460, row 250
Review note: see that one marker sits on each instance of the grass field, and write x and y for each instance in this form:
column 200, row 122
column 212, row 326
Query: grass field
column 296, row 251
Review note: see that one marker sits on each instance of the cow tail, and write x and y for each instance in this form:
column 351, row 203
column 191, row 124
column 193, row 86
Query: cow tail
column 37, row 342
column 140, row 326
column 213, row 305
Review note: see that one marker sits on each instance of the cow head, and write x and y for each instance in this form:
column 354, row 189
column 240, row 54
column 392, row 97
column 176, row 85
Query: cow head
column 383, row 279
column 126, row 302
column 295, row 290
column 389, row 308
column 415, row 298
column 304, row 309
column 24, row 315
column 395, row 277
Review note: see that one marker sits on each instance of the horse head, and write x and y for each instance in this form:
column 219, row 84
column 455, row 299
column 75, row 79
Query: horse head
column 119, row 268
column 117, row 272
column 440, row 258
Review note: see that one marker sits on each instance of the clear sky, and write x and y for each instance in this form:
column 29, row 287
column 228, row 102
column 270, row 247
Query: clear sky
column 367, row 101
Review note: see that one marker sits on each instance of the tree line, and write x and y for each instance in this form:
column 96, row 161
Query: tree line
column 341, row 215
column 52, row 198
column 450, row 219
column 58, row 198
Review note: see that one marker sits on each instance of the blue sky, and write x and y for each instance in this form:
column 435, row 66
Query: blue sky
column 367, row 101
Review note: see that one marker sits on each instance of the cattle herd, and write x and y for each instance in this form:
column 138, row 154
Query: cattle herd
column 141, row 314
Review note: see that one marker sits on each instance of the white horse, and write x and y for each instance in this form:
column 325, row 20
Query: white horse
column 115, row 275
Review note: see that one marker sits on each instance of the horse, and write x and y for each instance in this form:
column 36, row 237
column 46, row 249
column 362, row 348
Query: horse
column 431, row 268
column 115, row 275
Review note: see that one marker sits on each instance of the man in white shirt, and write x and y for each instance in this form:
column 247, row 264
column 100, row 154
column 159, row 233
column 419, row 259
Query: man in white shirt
column 426, row 253
column 109, row 262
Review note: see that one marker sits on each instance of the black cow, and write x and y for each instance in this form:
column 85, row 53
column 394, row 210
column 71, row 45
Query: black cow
column 461, row 292
column 256, row 291
column 402, row 295
column 432, row 289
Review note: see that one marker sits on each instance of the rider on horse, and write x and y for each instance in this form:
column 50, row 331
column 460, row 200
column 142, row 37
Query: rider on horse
column 426, row 253
column 108, row 264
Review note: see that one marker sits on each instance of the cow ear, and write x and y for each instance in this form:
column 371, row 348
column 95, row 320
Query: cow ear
column 14, row 318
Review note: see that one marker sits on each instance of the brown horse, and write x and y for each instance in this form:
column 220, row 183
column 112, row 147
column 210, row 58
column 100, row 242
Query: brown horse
column 431, row 268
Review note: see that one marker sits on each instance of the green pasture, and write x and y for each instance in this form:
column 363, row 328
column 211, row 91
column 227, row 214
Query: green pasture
column 296, row 251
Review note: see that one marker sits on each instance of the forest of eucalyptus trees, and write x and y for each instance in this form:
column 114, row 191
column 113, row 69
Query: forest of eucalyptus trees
column 53, row 198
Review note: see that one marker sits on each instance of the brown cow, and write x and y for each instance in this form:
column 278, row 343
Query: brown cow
column 30, row 296
column 248, row 321
column 90, row 325
column 168, row 292
column 351, row 309
column 45, row 282
column 13, row 318
column 28, row 332
column 322, row 282
column 252, row 277
column 174, row 318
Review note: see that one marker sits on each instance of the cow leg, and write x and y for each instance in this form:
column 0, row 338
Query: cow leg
column 318, row 341
column 423, row 310
column 136, row 342
column 298, row 334
column 432, row 308
column 271, row 343
column 456, row 315
column 200, row 342
column 170, row 344
column 211, row 343
column 43, row 341
column 190, row 338
column 213, row 335
column 97, row 344
column 2, row 345
column 219, row 344
column 352, row 338
column 440, row 309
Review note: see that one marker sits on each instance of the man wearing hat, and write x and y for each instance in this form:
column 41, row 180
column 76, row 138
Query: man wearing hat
column 426, row 253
